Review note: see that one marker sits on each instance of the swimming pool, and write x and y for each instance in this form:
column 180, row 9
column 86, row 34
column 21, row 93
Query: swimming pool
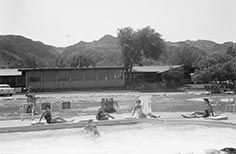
column 139, row 138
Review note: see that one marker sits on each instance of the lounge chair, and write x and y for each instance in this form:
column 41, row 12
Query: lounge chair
column 27, row 111
column 232, row 104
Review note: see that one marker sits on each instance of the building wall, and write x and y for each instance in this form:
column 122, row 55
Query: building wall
column 75, row 78
column 33, row 79
column 48, row 79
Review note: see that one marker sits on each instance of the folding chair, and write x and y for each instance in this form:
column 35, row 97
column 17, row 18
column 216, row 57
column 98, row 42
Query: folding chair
column 215, row 103
column 232, row 104
column 111, row 105
column 66, row 109
column 27, row 111
column 220, row 108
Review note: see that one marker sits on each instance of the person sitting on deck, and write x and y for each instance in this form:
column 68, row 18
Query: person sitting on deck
column 138, row 109
column 48, row 117
column 102, row 115
column 202, row 114
column 91, row 127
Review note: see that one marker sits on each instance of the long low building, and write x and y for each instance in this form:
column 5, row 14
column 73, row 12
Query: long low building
column 74, row 78
column 49, row 79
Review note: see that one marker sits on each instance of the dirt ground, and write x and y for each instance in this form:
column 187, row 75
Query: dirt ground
column 87, row 103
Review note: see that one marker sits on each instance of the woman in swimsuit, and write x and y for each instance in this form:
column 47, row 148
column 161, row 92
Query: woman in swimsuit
column 199, row 114
column 48, row 117
column 138, row 109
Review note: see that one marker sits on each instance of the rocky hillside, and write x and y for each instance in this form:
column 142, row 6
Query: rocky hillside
column 181, row 52
column 104, row 52
column 209, row 46
column 16, row 48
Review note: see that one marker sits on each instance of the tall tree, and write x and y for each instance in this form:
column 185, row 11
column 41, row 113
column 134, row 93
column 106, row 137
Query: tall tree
column 138, row 45
column 128, row 43
column 141, row 43
column 150, row 43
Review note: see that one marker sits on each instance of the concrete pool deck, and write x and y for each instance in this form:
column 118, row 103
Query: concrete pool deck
column 164, row 115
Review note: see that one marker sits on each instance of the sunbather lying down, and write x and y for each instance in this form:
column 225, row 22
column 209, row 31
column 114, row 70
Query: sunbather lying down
column 202, row 114
column 48, row 117
column 208, row 113
column 198, row 114
column 215, row 117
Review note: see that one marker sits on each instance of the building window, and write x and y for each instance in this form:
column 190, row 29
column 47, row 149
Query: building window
column 63, row 75
column 77, row 75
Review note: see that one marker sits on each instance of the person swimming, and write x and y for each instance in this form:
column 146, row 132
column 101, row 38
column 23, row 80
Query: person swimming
column 102, row 115
column 138, row 109
column 48, row 117
column 91, row 127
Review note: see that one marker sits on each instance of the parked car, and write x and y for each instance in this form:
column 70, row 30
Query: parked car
column 5, row 89
column 226, row 91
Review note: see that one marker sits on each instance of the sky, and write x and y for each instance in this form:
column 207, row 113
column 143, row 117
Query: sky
column 66, row 22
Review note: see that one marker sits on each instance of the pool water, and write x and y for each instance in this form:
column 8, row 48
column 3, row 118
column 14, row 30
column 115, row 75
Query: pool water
column 135, row 139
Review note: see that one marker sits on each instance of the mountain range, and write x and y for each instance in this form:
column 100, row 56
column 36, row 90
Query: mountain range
column 104, row 52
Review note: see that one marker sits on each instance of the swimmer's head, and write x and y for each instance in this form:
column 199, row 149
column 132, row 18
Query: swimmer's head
column 138, row 101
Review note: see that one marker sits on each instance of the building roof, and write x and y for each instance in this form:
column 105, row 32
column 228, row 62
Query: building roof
column 10, row 72
column 154, row 69
column 68, row 68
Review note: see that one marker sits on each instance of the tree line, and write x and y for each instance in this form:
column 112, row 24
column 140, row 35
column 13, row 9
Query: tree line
column 146, row 43
column 218, row 67
column 75, row 60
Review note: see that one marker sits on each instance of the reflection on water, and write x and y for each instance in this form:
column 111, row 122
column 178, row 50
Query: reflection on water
column 141, row 138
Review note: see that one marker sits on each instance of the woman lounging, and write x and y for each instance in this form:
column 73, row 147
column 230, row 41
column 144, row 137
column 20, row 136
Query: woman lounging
column 202, row 114
column 48, row 117
column 138, row 109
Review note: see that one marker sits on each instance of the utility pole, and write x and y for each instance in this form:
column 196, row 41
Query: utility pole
column 68, row 37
